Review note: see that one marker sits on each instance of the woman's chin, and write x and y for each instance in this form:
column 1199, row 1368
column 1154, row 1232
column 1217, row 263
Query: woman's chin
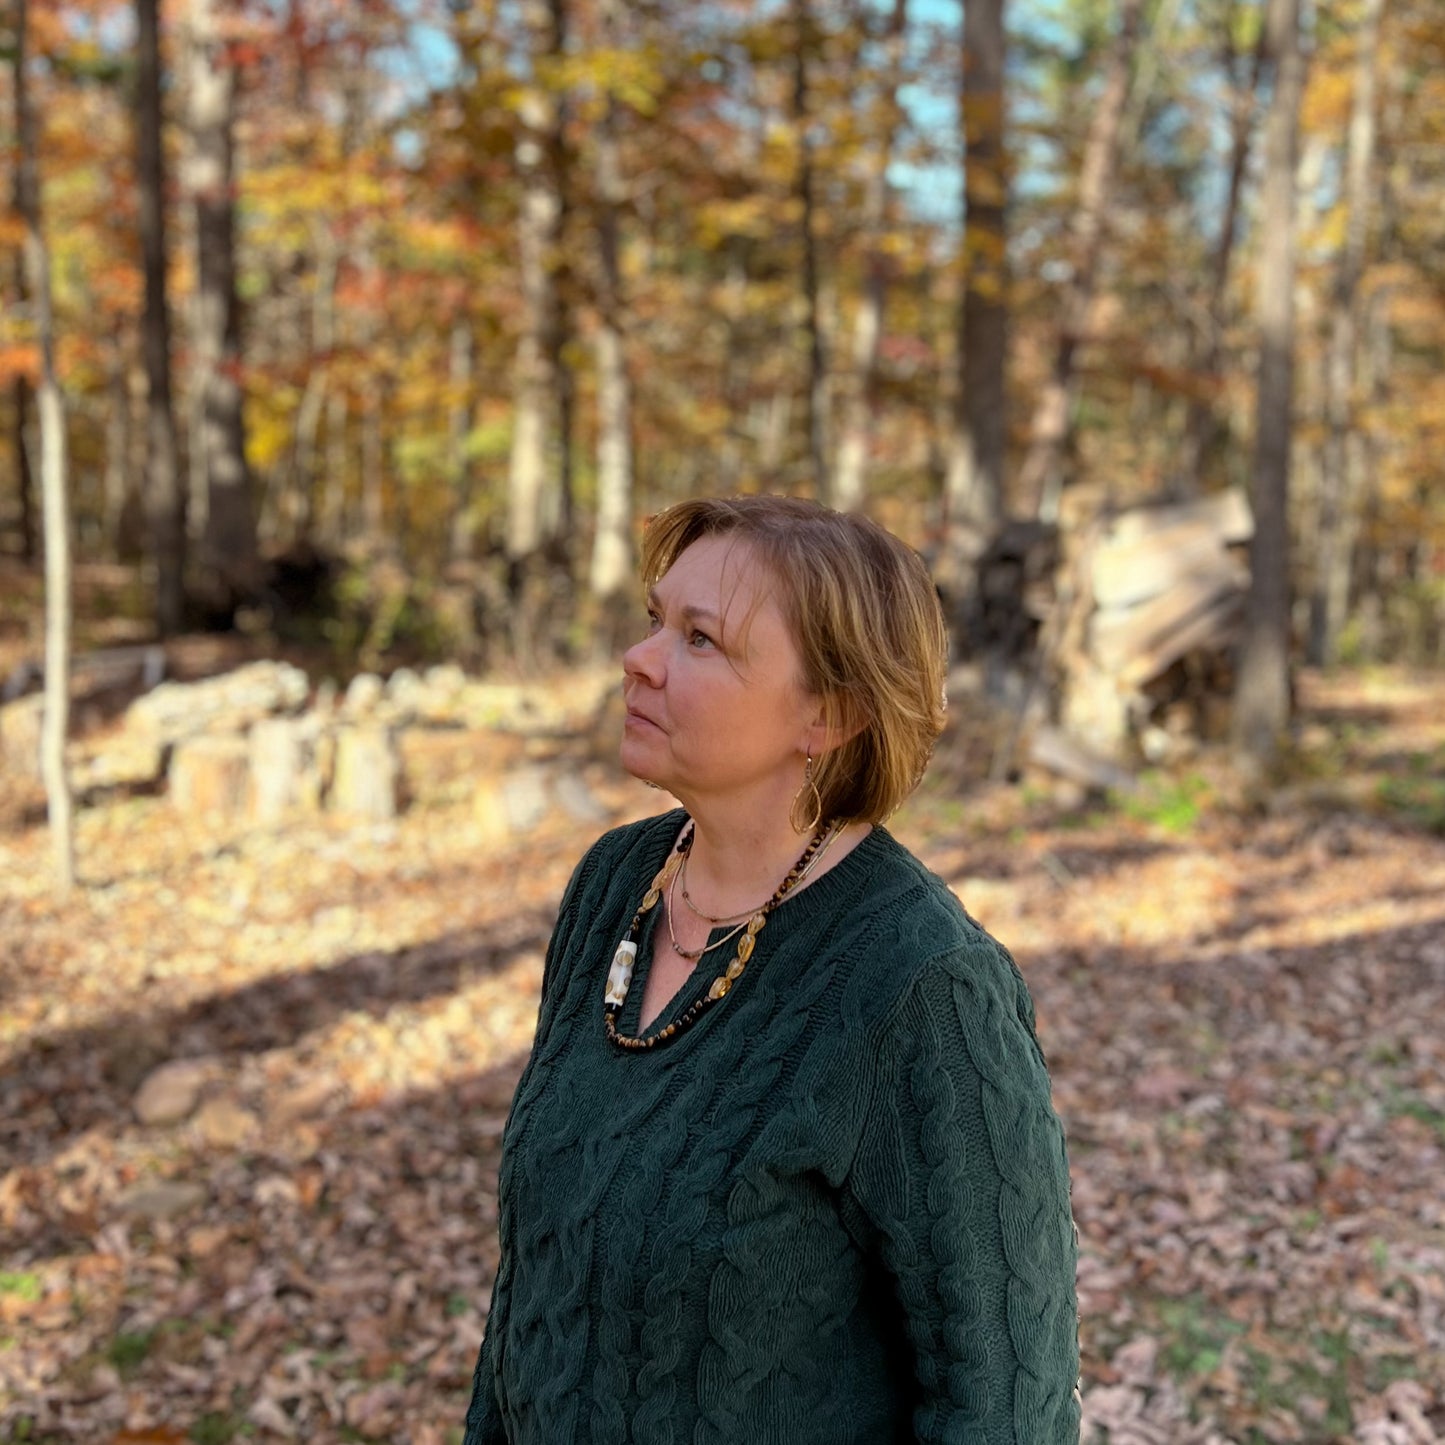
column 638, row 760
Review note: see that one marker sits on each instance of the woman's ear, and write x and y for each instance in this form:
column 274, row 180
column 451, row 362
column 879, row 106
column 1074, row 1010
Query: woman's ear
column 839, row 718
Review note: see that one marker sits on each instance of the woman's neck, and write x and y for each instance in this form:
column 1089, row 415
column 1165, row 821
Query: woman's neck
column 737, row 862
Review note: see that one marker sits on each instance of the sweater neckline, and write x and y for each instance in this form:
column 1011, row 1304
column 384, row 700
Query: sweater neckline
column 830, row 888
column 828, row 892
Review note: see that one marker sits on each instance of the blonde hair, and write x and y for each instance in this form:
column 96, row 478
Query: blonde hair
column 865, row 619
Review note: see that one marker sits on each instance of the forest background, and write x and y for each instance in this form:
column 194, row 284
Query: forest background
column 367, row 334
column 473, row 288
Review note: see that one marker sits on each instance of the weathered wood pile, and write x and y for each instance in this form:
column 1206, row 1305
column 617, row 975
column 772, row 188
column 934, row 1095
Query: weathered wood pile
column 1111, row 636
column 1150, row 605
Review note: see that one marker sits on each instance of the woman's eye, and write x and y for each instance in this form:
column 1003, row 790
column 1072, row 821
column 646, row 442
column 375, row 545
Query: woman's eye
column 653, row 622
column 699, row 639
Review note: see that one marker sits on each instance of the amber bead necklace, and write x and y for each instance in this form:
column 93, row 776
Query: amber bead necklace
column 619, row 976
column 692, row 955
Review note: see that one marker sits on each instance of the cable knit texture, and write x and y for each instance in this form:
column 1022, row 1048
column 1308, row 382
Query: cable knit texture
column 834, row 1212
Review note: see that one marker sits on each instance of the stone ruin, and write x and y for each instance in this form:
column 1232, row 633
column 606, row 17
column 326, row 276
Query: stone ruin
column 260, row 743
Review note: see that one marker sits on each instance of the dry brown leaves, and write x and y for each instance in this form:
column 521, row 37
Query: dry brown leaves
column 1244, row 1017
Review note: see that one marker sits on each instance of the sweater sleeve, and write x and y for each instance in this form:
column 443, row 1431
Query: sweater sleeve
column 484, row 1415
column 559, row 942
column 962, row 1177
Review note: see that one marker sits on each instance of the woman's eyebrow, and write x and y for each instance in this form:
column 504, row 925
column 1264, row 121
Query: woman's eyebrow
column 689, row 612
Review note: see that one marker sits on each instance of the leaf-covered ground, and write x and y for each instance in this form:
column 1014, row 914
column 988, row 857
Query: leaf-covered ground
column 1244, row 1011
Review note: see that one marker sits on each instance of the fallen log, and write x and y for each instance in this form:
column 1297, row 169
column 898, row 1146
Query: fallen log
column 1055, row 751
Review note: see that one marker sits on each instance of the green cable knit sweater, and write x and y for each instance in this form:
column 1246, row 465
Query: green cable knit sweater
column 835, row 1211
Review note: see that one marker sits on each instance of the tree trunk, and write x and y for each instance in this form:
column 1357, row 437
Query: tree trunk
column 20, row 412
column 20, row 401
column 1338, row 504
column 1042, row 473
column 559, row 516
column 735, row 367
column 816, row 393
column 530, row 468
column 228, row 543
column 1366, row 453
column 536, row 473
column 611, row 571
column 165, row 498
column 197, row 497
column 373, row 458
column 851, row 471
column 304, row 480
column 115, row 479
column 1262, row 687
column 562, row 521
column 119, row 501
column 331, row 524
column 459, row 422
column 51, row 411
column 974, row 486
column 1202, row 423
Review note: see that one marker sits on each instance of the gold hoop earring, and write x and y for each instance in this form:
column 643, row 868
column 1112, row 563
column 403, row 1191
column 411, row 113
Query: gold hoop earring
column 811, row 826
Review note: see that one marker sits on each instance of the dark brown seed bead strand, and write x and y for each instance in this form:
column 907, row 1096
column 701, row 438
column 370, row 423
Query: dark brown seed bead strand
column 722, row 985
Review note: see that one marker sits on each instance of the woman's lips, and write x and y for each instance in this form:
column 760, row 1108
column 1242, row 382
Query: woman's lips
column 637, row 719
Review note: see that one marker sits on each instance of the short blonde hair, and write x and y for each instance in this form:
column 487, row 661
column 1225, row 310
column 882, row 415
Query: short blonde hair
column 865, row 618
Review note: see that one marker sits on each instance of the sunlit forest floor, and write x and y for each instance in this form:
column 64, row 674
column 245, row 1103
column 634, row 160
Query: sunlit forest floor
column 1244, row 1012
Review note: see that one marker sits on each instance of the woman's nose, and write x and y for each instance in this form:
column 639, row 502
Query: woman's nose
column 643, row 661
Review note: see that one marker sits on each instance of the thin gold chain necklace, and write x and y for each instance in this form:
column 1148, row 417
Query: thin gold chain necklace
column 692, row 955
column 619, row 976
column 687, row 898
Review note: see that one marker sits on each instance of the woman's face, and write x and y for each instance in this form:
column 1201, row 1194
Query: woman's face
column 715, row 705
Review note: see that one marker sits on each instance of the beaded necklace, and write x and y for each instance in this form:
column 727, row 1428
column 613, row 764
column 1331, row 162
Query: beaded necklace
column 739, row 922
column 738, row 919
column 619, row 976
column 679, row 882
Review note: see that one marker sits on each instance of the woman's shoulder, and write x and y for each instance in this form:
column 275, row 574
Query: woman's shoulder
column 618, row 842
column 907, row 909
column 908, row 926
column 637, row 847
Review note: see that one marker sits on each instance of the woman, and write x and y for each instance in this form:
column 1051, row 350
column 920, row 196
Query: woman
column 782, row 1168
